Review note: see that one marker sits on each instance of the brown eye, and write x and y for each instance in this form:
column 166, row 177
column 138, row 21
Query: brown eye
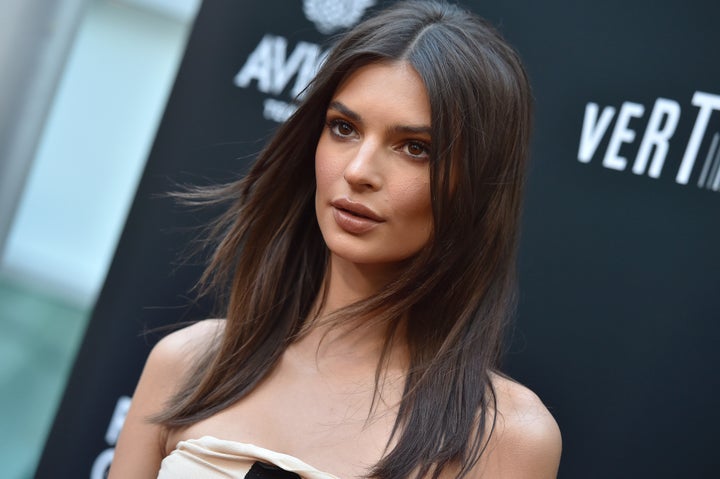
column 344, row 129
column 341, row 128
column 417, row 150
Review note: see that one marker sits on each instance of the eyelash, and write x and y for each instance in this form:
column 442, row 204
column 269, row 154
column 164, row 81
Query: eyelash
column 334, row 124
column 426, row 149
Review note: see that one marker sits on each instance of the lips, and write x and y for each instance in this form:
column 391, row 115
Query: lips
column 353, row 217
column 356, row 209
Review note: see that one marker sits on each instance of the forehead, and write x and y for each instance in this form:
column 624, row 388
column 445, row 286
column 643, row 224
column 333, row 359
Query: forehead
column 391, row 92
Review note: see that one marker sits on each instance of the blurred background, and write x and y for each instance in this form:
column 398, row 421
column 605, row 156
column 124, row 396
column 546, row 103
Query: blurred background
column 617, row 326
column 76, row 73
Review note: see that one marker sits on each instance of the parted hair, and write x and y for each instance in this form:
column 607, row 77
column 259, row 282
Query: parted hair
column 455, row 296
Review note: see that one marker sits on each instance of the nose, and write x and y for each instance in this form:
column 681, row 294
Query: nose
column 363, row 169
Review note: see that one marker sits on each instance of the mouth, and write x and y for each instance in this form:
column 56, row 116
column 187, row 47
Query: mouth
column 355, row 218
column 355, row 209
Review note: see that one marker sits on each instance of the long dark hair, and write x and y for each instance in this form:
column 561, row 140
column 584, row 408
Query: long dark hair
column 456, row 295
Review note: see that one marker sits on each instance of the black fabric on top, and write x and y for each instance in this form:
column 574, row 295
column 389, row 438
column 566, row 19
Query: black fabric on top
column 260, row 470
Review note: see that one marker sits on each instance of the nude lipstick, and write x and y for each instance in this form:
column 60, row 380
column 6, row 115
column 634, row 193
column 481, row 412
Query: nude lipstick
column 353, row 217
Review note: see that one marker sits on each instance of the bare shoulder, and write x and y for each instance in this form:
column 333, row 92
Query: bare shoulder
column 520, row 411
column 182, row 346
column 141, row 444
column 526, row 441
column 176, row 353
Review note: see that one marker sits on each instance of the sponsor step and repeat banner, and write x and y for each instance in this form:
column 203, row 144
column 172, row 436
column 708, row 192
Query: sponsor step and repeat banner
column 619, row 319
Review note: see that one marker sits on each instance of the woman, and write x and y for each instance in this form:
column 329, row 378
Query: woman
column 367, row 295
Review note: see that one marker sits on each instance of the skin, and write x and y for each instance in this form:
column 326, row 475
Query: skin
column 373, row 151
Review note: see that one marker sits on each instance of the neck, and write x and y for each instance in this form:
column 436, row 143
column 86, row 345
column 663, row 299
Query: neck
column 357, row 341
column 347, row 283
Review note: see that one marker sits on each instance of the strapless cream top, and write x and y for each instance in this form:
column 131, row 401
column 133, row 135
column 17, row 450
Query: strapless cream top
column 212, row 458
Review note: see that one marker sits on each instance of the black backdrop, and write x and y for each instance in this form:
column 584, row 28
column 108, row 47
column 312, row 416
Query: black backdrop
column 620, row 264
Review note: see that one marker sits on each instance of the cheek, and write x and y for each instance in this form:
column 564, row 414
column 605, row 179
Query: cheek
column 323, row 168
column 412, row 198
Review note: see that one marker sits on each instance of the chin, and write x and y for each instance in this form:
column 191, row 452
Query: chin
column 372, row 257
column 377, row 248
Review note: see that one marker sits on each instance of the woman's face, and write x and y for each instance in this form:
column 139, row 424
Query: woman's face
column 372, row 166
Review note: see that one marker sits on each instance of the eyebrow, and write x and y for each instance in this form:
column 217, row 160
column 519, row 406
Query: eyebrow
column 412, row 129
